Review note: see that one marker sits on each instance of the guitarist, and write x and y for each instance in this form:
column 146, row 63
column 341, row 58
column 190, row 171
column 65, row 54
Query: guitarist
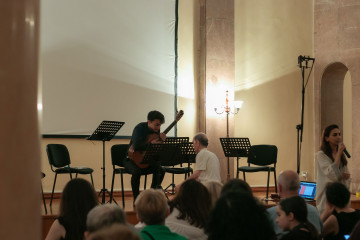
column 139, row 141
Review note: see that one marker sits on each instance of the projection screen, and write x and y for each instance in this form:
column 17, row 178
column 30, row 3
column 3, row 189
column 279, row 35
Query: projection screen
column 106, row 60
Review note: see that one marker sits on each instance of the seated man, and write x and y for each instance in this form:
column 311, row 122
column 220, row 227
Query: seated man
column 151, row 208
column 103, row 216
column 288, row 186
column 207, row 166
column 138, row 143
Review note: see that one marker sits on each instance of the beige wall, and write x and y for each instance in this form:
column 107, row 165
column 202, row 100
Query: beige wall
column 87, row 153
column 269, row 36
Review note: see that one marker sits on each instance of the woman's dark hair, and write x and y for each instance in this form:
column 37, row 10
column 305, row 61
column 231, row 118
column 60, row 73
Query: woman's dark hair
column 78, row 198
column 152, row 115
column 337, row 194
column 237, row 215
column 325, row 146
column 297, row 206
column 193, row 202
column 236, row 184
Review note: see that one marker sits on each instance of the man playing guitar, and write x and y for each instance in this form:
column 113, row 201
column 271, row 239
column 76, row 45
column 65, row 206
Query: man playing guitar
column 145, row 133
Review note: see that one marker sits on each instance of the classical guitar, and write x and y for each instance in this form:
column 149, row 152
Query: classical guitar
column 138, row 156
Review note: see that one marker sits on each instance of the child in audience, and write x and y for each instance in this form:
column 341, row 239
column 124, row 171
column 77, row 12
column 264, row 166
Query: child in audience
column 151, row 208
column 338, row 217
column 190, row 210
column 78, row 198
column 292, row 217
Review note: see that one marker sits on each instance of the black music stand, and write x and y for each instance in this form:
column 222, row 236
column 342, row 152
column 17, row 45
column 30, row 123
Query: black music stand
column 105, row 132
column 235, row 147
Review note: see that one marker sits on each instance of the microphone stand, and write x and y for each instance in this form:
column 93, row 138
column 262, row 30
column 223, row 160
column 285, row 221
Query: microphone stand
column 300, row 127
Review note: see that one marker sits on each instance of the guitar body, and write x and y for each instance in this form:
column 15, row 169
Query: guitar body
column 138, row 156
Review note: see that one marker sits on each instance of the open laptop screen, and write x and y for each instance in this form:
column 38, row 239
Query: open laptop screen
column 307, row 190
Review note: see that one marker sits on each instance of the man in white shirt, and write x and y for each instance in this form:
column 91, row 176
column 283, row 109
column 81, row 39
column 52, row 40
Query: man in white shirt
column 207, row 166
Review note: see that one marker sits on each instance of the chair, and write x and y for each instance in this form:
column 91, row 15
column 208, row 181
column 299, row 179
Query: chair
column 179, row 158
column 118, row 153
column 262, row 156
column 59, row 159
column 42, row 192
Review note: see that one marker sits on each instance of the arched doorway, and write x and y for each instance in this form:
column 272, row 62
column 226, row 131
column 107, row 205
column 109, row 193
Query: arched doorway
column 336, row 100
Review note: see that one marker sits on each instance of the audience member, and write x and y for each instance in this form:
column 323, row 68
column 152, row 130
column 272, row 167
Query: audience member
column 288, row 186
column 355, row 234
column 214, row 188
column 237, row 215
column 78, row 198
column 236, row 184
column 292, row 217
column 331, row 163
column 190, row 210
column 151, row 208
column 103, row 216
column 339, row 218
column 115, row 232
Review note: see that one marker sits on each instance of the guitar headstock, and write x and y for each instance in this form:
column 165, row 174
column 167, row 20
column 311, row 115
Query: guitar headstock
column 179, row 115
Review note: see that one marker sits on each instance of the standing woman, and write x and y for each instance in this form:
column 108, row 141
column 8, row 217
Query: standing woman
column 78, row 198
column 331, row 163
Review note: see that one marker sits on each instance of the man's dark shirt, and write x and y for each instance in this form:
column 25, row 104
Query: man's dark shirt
column 140, row 136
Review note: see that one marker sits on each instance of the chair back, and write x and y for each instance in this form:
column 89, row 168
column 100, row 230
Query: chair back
column 118, row 153
column 58, row 155
column 262, row 155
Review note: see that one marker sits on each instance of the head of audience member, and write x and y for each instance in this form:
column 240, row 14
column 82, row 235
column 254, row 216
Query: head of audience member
column 291, row 212
column 331, row 132
column 193, row 202
column 151, row 207
column 103, row 216
column 214, row 188
column 115, row 232
column 236, row 184
column 155, row 119
column 78, row 198
column 288, row 184
column 337, row 195
column 234, row 216
column 200, row 141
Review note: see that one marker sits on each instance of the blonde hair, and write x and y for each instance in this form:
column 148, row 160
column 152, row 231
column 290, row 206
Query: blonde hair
column 115, row 232
column 214, row 188
column 152, row 207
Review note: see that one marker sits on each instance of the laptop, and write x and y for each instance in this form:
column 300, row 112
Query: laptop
column 307, row 190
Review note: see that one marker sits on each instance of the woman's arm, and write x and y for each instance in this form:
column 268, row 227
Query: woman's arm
column 331, row 226
column 56, row 232
column 329, row 168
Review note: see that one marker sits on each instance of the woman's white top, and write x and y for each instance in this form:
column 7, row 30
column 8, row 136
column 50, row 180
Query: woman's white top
column 327, row 172
column 183, row 227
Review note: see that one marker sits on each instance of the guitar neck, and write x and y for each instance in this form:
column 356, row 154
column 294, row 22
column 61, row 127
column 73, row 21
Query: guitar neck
column 170, row 127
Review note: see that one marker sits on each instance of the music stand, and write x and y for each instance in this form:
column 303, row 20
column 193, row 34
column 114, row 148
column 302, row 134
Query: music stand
column 235, row 147
column 105, row 132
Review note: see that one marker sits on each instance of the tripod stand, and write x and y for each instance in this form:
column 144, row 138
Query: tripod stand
column 300, row 127
column 105, row 132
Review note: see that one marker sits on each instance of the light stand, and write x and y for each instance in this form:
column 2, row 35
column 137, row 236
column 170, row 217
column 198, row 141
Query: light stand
column 227, row 109
column 300, row 127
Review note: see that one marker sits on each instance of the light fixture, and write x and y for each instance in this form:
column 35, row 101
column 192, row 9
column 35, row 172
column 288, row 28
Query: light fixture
column 229, row 108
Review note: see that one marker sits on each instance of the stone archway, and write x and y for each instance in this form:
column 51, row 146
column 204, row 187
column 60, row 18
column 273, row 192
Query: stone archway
column 332, row 83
